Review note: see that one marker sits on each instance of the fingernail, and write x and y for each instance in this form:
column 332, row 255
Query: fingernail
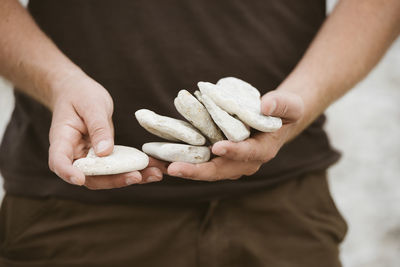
column 222, row 152
column 272, row 108
column 102, row 145
column 156, row 171
column 134, row 178
column 179, row 174
column 76, row 181
column 130, row 181
column 153, row 179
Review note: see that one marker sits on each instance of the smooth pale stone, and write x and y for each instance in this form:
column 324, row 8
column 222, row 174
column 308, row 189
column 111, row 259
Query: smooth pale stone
column 122, row 159
column 192, row 110
column 177, row 152
column 234, row 129
column 197, row 94
column 241, row 99
column 169, row 128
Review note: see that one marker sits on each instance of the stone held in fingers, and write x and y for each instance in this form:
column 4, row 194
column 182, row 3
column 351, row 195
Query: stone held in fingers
column 192, row 110
column 122, row 159
column 169, row 128
column 173, row 152
column 241, row 99
column 234, row 129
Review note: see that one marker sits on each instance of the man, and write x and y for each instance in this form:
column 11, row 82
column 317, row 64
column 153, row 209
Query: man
column 260, row 202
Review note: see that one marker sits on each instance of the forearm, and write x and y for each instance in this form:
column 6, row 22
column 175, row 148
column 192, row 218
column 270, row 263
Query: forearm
column 350, row 43
column 28, row 58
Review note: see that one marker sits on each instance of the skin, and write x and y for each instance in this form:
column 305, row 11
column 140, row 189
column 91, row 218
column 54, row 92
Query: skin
column 81, row 107
column 350, row 43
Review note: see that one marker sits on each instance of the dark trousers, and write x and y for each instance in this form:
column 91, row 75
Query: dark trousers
column 294, row 224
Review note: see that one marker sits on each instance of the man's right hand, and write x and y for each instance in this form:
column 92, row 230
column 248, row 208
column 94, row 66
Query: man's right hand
column 82, row 108
column 82, row 118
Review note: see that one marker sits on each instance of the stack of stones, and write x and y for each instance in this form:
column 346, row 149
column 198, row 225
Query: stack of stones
column 225, row 110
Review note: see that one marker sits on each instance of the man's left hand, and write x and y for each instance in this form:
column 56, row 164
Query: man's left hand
column 245, row 158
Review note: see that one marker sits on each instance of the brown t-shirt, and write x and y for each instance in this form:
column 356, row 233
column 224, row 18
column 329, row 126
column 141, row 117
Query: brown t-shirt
column 143, row 52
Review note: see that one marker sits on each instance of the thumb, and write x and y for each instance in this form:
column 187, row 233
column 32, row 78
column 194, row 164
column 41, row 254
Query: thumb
column 101, row 132
column 286, row 105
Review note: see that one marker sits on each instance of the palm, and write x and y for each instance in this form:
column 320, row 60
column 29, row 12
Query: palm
column 81, row 120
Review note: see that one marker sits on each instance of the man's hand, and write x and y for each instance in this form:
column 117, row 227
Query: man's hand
column 81, row 107
column 246, row 157
column 348, row 45
column 82, row 111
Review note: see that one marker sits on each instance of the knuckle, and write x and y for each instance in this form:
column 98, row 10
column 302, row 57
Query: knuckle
column 251, row 150
column 98, row 132
column 216, row 177
column 51, row 164
column 252, row 170
column 118, row 184
column 251, row 155
column 235, row 177
column 110, row 106
column 271, row 154
column 231, row 153
column 266, row 158
column 91, row 186
column 97, row 128
column 285, row 109
column 248, row 172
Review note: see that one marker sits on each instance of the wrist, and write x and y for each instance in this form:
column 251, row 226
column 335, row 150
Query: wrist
column 298, row 104
column 311, row 93
column 59, row 83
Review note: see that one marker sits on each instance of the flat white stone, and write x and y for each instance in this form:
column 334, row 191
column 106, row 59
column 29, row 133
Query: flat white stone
column 234, row 129
column 177, row 152
column 169, row 128
column 192, row 110
column 122, row 159
column 241, row 99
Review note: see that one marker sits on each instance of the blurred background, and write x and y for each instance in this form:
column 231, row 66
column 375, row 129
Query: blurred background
column 365, row 126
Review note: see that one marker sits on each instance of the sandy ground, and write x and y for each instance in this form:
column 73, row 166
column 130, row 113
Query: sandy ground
column 365, row 126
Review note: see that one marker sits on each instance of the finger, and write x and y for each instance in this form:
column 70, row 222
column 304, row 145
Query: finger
column 147, row 175
column 286, row 105
column 261, row 147
column 61, row 155
column 151, row 174
column 61, row 165
column 248, row 150
column 159, row 164
column 113, row 181
column 100, row 129
column 214, row 170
